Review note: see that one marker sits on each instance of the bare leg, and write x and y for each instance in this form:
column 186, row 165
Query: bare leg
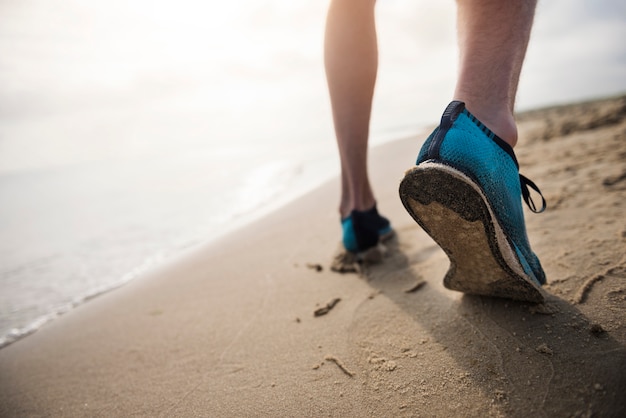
column 493, row 36
column 351, row 61
column 466, row 190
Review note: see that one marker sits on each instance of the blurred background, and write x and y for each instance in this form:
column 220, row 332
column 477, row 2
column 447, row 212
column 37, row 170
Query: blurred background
column 131, row 130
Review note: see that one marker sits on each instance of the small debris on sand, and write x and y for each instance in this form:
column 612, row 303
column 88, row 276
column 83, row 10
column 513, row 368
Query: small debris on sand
column 613, row 180
column 500, row 395
column 390, row 366
column 596, row 329
column 581, row 296
column 417, row 286
column 544, row 349
column 345, row 262
column 315, row 266
column 340, row 365
column 544, row 309
column 325, row 309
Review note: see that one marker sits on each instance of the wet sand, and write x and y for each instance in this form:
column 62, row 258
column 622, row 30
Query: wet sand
column 257, row 324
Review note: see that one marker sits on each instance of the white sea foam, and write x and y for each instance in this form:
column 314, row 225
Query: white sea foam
column 15, row 334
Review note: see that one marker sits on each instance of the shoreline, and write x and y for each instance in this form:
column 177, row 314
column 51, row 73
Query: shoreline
column 239, row 221
column 229, row 327
column 164, row 256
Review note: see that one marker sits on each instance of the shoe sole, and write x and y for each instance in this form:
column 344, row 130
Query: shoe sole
column 454, row 211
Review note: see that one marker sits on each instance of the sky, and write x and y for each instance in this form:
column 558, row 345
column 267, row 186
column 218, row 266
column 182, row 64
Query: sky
column 577, row 48
column 576, row 51
column 118, row 70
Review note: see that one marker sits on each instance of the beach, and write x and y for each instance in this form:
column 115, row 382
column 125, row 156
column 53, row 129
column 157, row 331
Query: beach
column 234, row 327
column 133, row 131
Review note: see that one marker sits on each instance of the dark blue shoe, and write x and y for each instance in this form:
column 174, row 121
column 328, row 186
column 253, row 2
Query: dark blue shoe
column 363, row 230
column 466, row 192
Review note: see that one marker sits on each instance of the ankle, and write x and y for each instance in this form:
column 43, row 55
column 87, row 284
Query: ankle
column 346, row 208
column 495, row 113
column 504, row 127
column 500, row 122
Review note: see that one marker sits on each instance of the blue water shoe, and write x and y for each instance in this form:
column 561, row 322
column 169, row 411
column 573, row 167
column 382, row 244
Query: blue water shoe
column 466, row 193
column 363, row 230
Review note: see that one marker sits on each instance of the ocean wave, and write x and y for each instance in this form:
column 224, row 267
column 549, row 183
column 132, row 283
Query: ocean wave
column 20, row 332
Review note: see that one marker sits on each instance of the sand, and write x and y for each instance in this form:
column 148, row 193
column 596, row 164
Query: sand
column 230, row 329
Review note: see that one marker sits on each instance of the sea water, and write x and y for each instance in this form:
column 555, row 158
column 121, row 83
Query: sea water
column 131, row 131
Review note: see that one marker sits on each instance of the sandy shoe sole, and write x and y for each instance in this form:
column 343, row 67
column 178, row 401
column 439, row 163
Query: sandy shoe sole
column 453, row 210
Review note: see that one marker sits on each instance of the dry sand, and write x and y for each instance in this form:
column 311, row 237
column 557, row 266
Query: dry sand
column 230, row 329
